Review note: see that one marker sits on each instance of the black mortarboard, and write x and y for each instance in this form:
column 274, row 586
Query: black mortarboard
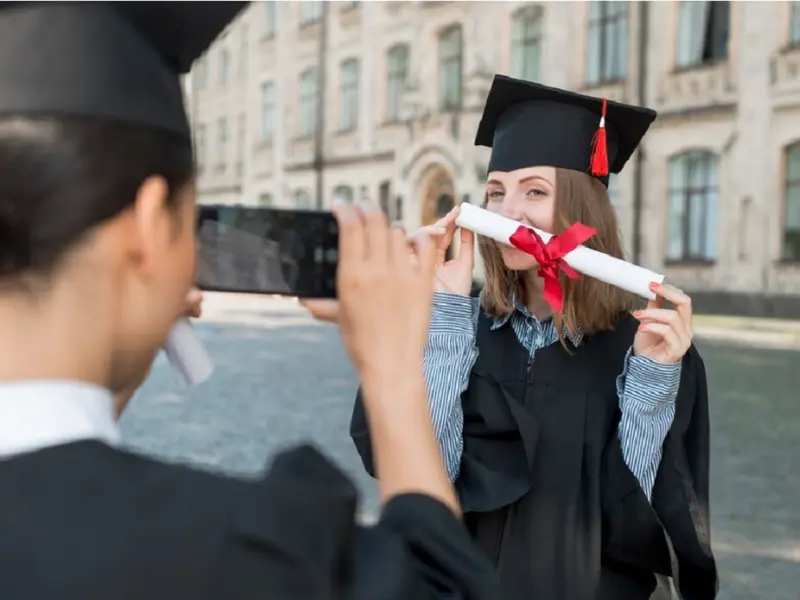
column 528, row 125
column 115, row 61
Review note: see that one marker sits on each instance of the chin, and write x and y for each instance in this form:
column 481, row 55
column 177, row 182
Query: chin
column 516, row 260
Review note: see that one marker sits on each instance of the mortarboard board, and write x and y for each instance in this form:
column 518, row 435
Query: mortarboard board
column 115, row 61
column 527, row 124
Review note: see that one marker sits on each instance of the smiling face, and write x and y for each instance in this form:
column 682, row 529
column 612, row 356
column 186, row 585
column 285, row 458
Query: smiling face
column 527, row 196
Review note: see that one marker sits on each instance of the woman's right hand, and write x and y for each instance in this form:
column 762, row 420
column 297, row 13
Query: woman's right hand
column 454, row 275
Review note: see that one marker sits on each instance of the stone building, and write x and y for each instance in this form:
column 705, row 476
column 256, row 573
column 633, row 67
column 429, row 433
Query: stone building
column 712, row 200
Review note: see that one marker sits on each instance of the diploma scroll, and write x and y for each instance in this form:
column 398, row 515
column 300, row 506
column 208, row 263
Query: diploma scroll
column 608, row 269
column 187, row 355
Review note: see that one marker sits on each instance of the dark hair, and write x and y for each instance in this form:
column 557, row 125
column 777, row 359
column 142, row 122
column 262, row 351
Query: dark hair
column 60, row 178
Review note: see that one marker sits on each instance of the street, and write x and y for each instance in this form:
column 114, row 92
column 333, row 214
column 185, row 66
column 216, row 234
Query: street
column 281, row 378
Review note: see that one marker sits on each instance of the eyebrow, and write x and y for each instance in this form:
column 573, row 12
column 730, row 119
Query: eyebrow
column 521, row 181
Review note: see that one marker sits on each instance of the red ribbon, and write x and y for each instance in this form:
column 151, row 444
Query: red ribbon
column 549, row 256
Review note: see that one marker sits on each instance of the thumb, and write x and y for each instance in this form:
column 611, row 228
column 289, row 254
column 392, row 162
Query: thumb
column 427, row 258
column 466, row 250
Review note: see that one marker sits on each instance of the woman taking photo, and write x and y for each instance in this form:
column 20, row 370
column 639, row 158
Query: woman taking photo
column 576, row 431
column 97, row 257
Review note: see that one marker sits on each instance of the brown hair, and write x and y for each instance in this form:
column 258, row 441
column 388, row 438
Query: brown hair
column 590, row 306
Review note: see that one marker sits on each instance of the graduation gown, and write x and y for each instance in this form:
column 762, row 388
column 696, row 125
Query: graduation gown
column 82, row 519
column 544, row 486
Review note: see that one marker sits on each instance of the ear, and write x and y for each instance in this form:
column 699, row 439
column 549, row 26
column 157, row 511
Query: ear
column 151, row 224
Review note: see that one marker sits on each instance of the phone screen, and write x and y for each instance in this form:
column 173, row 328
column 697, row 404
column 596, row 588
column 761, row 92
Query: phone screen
column 258, row 250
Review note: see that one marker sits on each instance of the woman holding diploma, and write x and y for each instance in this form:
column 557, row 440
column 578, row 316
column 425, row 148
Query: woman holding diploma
column 574, row 426
column 97, row 258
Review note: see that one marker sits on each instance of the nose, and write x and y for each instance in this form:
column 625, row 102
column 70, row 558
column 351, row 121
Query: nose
column 510, row 208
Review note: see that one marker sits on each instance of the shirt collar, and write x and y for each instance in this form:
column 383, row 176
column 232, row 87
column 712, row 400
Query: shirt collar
column 40, row 414
column 519, row 308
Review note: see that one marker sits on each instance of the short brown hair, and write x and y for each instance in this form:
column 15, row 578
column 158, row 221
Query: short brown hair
column 590, row 305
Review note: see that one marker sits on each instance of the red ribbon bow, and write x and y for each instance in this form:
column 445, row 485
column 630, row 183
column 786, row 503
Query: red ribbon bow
column 549, row 256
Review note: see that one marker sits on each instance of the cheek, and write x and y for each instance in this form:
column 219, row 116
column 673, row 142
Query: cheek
column 540, row 214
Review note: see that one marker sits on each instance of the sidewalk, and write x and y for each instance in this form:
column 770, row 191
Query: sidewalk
column 254, row 310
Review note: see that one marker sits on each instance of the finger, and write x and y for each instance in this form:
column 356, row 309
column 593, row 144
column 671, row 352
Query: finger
column 399, row 254
column 666, row 333
column 466, row 250
column 665, row 316
column 681, row 301
column 322, row 310
column 377, row 232
column 427, row 261
column 351, row 234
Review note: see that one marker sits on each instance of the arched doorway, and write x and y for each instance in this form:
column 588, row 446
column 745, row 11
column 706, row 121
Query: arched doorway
column 437, row 194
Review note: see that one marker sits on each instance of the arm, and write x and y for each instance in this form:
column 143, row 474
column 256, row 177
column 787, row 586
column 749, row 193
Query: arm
column 647, row 391
column 294, row 535
column 449, row 357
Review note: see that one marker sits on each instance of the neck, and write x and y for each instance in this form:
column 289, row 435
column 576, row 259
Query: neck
column 64, row 334
column 534, row 292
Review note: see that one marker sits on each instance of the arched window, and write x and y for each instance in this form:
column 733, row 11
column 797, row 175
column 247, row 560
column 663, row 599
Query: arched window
column 397, row 73
column 450, row 68
column 344, row 193
column 526, row 43
column 693, row 193
column 791, row 211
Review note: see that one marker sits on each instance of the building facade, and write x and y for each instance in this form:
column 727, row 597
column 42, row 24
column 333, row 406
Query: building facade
column 300, row 102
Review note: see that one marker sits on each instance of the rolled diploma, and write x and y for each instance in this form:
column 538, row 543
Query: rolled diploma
column 187, row 355
column 608, row 269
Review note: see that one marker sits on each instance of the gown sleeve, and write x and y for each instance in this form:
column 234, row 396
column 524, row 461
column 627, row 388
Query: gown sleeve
column 672, row 536
column 295, row 536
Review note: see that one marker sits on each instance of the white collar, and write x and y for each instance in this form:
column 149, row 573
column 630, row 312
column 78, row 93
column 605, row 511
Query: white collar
column 39, row 414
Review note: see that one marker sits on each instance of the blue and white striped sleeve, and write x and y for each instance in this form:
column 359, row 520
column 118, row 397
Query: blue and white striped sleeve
column 449, row 357
column 647, row 391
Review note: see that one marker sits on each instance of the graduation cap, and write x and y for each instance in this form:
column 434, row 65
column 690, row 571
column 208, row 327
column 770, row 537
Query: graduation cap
column 114, row 61
column 527, row 124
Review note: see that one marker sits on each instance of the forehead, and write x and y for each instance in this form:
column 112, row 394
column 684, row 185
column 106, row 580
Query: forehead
column 548, row 174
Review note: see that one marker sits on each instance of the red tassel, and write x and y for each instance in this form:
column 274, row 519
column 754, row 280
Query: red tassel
column 598, row 165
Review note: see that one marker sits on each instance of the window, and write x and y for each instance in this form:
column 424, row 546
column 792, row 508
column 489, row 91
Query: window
column 450, row 49
column 344, row 193
column 222, row 140
column 607, row 46
column 397, row 73
column 200, row 146
column 308, row 103
column 270, row 18
column 310, row 12
column 265, row 199
column 348, row 96
column 703, row 30
column 791, row 214
column 224, row 66
column 794, row 24
column 244, row 57
column 241, row 138
column 267, row 113
column 526, row 43
column 302, row 199
column 693, row 192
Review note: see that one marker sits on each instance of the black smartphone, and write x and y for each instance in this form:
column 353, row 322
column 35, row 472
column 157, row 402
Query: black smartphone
column 260, row 250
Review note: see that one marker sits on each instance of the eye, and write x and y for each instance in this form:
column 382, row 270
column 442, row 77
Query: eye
column 536, row 192
column 494, row 194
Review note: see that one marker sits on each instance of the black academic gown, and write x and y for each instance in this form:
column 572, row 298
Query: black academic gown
column 544, row 486
column 85, row 521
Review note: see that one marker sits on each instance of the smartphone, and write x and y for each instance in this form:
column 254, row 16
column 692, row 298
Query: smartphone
column 261, row 250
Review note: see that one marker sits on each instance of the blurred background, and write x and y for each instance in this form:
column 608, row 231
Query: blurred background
column 300, row 102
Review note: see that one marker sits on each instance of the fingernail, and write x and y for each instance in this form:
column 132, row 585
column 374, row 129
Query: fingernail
column 368, row 206
column 641, row 327
column 637, row 314
column 655, row 285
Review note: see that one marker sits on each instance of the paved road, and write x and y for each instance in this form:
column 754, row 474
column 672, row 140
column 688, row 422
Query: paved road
column 286, row 379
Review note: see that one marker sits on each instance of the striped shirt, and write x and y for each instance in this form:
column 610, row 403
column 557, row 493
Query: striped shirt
column 646, row 389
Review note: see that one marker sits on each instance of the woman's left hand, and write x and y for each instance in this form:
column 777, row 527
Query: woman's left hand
column 664, row 334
